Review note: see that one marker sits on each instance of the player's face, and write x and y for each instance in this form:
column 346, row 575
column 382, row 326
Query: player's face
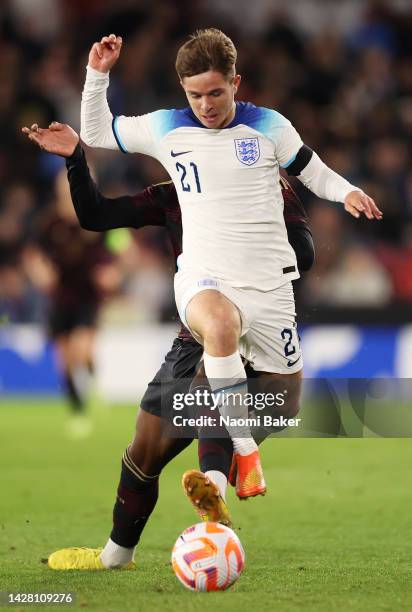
column 211, row 96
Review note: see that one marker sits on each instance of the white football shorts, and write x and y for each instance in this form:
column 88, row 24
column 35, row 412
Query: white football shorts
column 269, row 338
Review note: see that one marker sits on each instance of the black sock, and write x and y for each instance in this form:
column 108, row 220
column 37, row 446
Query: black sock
column 215, row 454
column 215, row 447
column 136, row 498
column 78, row 381
column 75, row 398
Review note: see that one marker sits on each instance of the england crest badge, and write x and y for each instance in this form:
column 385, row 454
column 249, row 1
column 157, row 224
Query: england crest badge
column 247, row 150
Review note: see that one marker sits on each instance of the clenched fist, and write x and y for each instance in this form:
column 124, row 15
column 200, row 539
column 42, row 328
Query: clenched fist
column 104, row 54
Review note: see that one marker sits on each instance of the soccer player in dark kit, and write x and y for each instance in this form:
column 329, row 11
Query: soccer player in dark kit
column 84, row 272
column 153, row 447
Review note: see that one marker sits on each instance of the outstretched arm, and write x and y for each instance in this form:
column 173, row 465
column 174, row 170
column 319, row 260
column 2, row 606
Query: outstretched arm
column 326, row 183
column 96, row 118
column 300, row 161
column 98, row 126
column 94, row 211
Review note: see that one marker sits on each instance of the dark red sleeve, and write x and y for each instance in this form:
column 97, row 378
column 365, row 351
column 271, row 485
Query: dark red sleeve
column 294, row 211
column 297, row 226
column 98, row 213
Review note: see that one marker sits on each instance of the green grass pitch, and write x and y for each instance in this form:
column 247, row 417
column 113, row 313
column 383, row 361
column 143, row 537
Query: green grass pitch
column 333, row 533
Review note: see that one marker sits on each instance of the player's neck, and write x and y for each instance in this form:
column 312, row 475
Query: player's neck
column 230, row 117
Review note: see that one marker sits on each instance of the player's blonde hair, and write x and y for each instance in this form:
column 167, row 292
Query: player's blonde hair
column 205, row 50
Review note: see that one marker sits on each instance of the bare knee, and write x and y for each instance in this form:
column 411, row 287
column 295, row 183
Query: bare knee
column 145, row 450
column 146, row 458
column 216, row 320
column 221, row 334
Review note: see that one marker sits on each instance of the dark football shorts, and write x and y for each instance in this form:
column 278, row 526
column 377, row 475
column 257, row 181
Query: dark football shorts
column 174, row 377
column 65, row 320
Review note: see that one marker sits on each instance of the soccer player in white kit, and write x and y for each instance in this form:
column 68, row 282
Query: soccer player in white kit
column 233, row 287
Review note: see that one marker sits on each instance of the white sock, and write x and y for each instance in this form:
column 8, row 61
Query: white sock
column 219, row 479
column 115, row 556
column 227, row 376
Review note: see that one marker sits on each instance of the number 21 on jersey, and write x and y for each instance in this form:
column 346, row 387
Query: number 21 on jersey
column 189, row 177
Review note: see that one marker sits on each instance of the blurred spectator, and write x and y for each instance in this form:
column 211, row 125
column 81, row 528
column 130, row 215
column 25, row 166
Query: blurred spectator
column 358, row 279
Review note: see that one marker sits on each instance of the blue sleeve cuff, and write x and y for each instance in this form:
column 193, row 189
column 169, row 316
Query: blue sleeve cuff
column 290, row 161
column 117, row 137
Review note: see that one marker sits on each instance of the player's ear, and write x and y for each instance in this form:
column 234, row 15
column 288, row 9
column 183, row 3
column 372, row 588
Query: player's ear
column 182, row 83
column 236, row 82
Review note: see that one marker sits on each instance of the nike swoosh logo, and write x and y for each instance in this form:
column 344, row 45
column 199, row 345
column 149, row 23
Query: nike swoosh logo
column 291, row 363
column 176, row 154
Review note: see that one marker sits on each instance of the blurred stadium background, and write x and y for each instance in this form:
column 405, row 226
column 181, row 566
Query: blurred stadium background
column 341, row 72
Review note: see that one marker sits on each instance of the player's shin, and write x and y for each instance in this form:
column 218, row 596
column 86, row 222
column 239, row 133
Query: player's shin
column 227, row 379
column 74, row 391
column 136, row 498
column 228, row 383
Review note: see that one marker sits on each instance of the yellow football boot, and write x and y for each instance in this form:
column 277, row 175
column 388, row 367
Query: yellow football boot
column 205, row 497
column 80, row 559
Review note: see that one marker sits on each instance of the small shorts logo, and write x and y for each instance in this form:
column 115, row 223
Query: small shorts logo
column 207, row 282
column 247, row 150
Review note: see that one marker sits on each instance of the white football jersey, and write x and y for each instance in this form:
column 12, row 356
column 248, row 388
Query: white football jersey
column 227, row 181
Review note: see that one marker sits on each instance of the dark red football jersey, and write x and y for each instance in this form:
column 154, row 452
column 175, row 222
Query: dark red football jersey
column 158, row 205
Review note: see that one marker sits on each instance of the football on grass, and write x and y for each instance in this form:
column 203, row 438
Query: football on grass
column 208, row 557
